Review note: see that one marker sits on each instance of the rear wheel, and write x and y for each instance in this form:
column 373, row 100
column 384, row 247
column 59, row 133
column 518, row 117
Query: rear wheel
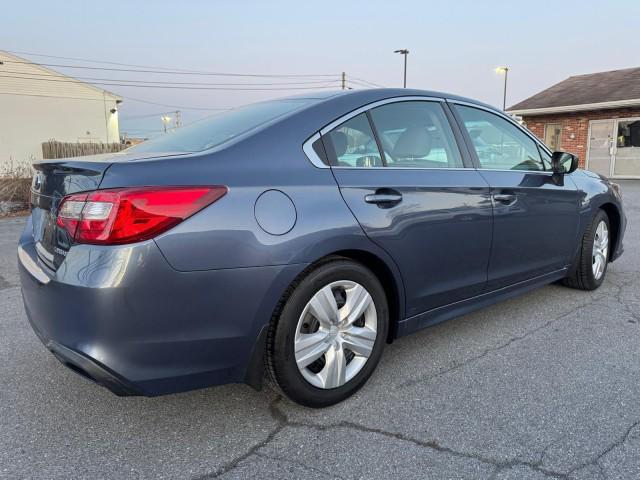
column 328, row 337
column 591, row 267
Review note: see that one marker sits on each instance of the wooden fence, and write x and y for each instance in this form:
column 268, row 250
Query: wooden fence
column 54, row 149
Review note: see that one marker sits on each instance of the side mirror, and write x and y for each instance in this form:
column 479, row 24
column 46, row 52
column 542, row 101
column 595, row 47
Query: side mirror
column 563, row 162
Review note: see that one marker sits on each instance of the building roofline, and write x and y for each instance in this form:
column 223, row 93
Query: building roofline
column 633, row 102
column 102, row 91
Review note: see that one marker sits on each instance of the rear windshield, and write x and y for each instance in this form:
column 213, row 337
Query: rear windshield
column 216, row 130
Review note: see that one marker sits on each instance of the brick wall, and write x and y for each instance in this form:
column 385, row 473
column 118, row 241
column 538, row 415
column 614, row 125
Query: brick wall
column 575, row 125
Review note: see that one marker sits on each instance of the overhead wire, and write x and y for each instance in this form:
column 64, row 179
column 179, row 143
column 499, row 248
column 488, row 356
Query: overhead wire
column 178, row 87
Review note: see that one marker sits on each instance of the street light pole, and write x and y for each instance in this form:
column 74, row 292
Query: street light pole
column 165, row 121
column 404, row 52
column 504, row 70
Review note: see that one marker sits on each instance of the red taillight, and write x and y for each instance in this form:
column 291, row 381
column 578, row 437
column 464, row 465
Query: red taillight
column 127, row 215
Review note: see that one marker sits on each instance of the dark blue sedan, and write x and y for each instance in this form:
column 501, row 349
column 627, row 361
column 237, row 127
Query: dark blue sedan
column 297, row 236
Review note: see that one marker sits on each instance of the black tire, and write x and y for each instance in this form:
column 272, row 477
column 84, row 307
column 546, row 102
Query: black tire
column 581, row 276
column 280, row 361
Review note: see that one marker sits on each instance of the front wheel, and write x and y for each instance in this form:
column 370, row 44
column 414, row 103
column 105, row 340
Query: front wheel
column 328, row 337
column 591, row 266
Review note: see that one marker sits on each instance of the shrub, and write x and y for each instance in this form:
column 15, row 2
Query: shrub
column 15, row 186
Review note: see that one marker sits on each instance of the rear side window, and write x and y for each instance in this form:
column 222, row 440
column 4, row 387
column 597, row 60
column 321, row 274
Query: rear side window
column 499, row 144
column 214, row 131
column 353, row 144
column 416, row 135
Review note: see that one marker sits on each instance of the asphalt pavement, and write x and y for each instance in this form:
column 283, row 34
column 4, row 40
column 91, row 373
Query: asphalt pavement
column 546, row 385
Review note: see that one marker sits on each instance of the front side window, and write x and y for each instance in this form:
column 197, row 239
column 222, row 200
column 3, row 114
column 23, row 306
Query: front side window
column 499, row 144
column 416, row 135
column 353, row 144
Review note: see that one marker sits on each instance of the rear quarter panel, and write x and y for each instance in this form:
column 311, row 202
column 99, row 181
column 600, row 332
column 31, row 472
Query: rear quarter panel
column 226, row 234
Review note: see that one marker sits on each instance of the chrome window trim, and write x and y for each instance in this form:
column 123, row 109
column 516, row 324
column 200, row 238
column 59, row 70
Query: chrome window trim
column 370, row 106
column 402, row 168
column 537, row 172
column 499, row 113
column 313, row 157
column 317, row 161
column 469, row 169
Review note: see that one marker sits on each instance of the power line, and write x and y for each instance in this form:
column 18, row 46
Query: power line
column 362, row 80
column 57, row 75
column 128, row 98
column 182, row 107
column 358, row 84
column 95, row 61
column 174, row 72
column 168, row 69
column 148, row 115
column 176, row 87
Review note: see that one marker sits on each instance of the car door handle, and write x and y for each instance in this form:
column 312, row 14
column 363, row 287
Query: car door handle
column 504, row 198
column 388, row 198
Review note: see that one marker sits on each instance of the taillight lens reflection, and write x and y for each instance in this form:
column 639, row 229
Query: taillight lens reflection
column 128, row 215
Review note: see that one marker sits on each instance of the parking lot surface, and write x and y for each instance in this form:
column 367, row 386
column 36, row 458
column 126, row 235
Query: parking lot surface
column 546, row 385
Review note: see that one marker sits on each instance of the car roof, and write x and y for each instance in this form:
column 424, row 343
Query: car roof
column 325, row 107
column 365, row 96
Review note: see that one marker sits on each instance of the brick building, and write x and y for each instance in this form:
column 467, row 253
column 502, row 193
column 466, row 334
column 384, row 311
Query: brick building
column 595, row 116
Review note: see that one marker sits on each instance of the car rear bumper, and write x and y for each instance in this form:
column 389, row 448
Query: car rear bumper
column 122, row 317
column 90, row 369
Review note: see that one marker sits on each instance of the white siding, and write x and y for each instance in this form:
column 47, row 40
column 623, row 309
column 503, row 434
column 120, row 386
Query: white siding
column 33, row 111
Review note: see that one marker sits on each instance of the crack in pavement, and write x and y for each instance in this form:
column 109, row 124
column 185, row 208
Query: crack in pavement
column 284, row 422
column 300, row 464
column 620, row 291
column 499, row 465
column 618, row 443
column 281, row 420
column 490, row 350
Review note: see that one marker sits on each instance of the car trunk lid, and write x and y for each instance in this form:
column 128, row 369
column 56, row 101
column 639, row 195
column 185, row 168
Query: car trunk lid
column 54, row 180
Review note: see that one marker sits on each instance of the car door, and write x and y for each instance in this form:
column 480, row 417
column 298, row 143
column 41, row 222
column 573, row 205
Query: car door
column 535, row 212
column 402, row 174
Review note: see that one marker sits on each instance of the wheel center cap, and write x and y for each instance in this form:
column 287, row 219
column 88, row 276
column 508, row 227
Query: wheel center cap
column 333, row 332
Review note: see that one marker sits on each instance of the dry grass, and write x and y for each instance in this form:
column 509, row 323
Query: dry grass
column 15, row 186
column 14, row 189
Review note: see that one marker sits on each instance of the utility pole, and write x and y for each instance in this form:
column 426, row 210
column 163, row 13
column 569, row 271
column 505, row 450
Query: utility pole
column 178, row 119
column 344, row 80
column 404, row 52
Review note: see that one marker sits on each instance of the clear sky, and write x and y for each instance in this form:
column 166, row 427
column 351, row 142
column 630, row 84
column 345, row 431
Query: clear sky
column 454, row 45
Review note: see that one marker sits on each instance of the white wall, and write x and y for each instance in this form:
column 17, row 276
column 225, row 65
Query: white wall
column 27, row 121
column 38, row 104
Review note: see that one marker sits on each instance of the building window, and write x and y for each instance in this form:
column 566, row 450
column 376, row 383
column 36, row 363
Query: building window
column 627, row 158
column 553, row 136
column 629, row 134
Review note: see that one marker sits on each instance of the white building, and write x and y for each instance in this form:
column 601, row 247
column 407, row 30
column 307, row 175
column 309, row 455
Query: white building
column 38, row 104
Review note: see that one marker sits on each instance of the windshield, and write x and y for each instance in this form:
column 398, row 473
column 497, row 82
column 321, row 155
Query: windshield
column 216, row 130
